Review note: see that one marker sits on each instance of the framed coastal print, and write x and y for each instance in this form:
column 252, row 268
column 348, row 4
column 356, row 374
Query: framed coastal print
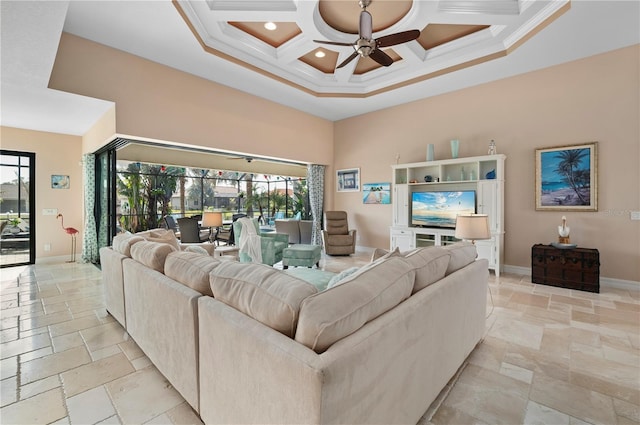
column 376, row 193
column 59, row 182
column 348, row 180
column 567, row 178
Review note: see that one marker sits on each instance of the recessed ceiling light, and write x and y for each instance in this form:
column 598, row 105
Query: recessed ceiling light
column 271, row 26
column 320, row 54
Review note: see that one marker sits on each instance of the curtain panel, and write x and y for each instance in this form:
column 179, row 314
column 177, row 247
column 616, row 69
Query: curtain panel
column 90, row 253
column 315, row 182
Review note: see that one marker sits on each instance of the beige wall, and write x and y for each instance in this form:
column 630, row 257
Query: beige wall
column 101, row 133
column 595, row 99
column 55, row 154
column 157, row 102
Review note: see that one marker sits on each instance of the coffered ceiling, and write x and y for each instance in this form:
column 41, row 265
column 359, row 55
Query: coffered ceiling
column 462, row 43
column 454, row 34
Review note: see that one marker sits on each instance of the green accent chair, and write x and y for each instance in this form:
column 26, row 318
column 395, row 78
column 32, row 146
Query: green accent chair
column 272, row 244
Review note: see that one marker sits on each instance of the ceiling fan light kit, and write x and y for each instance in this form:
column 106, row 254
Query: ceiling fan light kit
column 367, row 46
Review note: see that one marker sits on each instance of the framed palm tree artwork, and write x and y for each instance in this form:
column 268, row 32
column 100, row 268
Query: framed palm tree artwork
column 567, row 178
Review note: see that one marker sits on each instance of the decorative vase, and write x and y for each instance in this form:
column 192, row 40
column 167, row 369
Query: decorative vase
column 454, row 148
column 430, row 152
column 492, row 148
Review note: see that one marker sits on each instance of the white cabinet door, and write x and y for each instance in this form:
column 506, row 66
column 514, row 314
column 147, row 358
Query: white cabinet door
column 487, row 249
column 401, row 239
column 400, row 205
column 488, row 202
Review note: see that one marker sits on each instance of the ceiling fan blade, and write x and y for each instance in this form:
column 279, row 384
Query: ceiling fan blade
column 397, row 38
column 381, row 57
column 334, row 43
column 349, row 59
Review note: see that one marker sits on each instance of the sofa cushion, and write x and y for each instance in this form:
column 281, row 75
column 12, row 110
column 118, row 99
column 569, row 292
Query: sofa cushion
column 462, row 254
column 191, row 269
column 268, row 295
column 151, row 254
column 331, row 315
column 430, row 265
column 122, row 243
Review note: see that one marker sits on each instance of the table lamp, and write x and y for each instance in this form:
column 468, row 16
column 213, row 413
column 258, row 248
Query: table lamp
column 472, row 227
column 211, row 219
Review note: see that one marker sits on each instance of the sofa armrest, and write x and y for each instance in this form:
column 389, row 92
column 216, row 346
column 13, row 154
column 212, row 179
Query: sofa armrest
column 250, row 373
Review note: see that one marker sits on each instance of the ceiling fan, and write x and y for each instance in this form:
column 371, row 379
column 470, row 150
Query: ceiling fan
column 366, row 45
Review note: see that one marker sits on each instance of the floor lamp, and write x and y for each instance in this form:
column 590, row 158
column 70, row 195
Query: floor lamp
column 212, row 219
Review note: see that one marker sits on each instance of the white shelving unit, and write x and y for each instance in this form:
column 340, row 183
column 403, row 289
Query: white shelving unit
column 484, row 174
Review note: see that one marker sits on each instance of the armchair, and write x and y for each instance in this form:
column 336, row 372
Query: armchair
column 336, row 236
column 272, row 244
column 190, row 231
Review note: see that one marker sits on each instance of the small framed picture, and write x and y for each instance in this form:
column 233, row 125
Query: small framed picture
column 348, row 180
column 376, row 193
column 567, row 178
column 59, row 182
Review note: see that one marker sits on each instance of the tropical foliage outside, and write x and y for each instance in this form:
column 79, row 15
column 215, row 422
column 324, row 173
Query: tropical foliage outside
column 148, row 192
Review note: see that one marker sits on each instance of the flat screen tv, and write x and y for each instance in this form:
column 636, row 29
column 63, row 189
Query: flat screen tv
column 439, row 209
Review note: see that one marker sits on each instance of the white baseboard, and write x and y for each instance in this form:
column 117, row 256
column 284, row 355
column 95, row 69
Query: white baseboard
column 608, row 282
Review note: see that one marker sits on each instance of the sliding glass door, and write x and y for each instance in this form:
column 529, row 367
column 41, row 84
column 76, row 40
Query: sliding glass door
column 17, row 203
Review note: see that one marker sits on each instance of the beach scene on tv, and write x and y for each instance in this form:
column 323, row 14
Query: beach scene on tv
column 440, row 209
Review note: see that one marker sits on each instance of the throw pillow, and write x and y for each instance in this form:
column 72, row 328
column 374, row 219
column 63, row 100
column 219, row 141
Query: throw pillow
column 164, row 236
column 377, row 253
column 340, row 277
column 196, row 249
column 331, row 315
column 122, row 243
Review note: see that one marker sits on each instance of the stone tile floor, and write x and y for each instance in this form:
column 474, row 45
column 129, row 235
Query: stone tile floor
column 550, row 356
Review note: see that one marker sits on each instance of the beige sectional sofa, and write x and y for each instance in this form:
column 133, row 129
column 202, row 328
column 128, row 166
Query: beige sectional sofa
column 111, row 259
column 246, row 343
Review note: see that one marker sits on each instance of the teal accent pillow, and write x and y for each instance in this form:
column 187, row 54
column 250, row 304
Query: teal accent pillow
column 336, row 280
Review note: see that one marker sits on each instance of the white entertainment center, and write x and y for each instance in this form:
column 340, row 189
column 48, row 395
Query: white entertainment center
column 482, row 174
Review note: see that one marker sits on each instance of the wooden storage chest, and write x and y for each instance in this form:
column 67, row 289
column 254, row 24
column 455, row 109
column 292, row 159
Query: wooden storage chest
column 577, row 268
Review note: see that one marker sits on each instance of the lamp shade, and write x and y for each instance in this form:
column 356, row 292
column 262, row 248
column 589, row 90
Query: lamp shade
column 472, row 227
column 212, row 219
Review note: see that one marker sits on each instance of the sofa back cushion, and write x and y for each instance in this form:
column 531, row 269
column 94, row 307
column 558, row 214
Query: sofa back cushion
column 462, row 254
column 430, row 265
column 331, row 315
column 151, row 254
column 122, row 243
column 268, row 295
column 191, row 269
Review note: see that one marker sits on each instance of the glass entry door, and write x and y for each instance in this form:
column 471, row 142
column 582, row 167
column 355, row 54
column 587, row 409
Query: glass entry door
column 17, row 201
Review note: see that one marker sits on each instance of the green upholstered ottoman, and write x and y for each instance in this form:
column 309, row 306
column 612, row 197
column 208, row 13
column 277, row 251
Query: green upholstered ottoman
column 301, row 255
